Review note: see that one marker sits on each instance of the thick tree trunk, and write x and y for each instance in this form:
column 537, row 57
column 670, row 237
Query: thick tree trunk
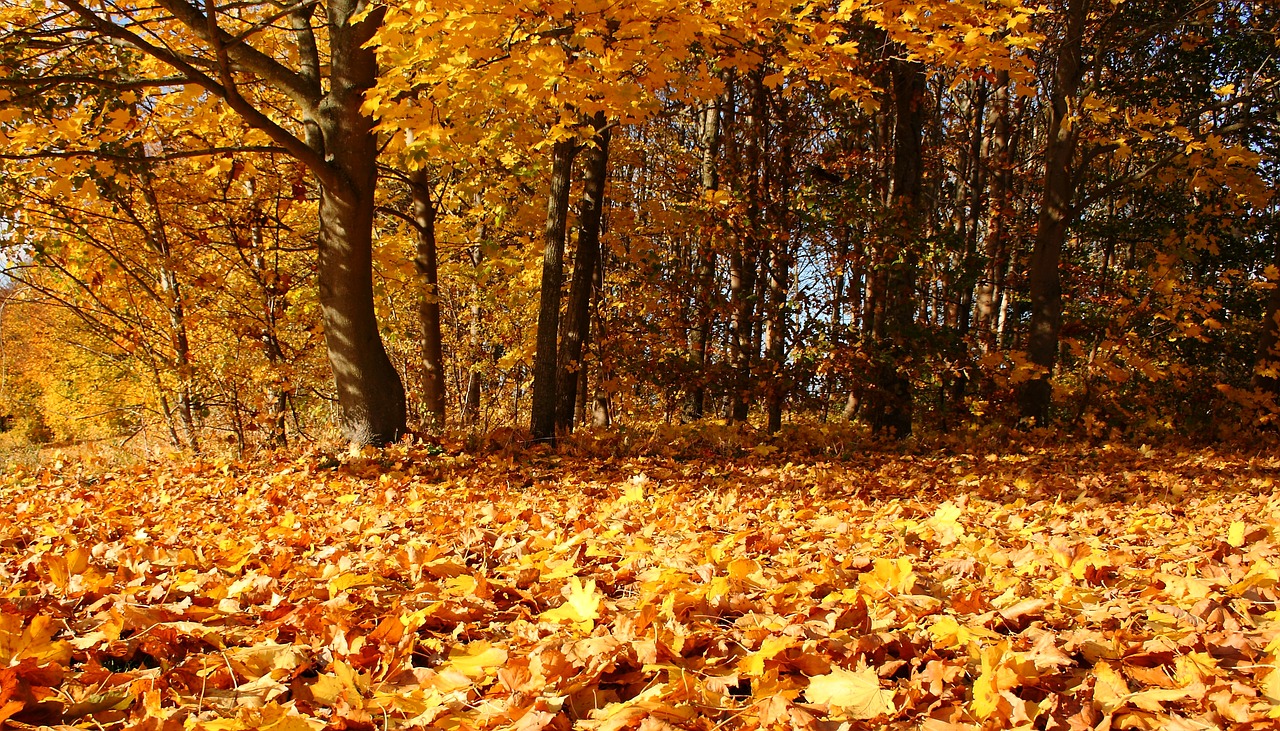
column 1055, row 217
column 577, row 320
column 433, row 390
column 543, row 408
column 889, row 405
column 370, row 393
column 700, row 334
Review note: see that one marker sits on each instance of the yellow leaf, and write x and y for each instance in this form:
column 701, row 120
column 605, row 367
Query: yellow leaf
column 852, row 694
column 583, row 607
column 753, row 664
column 346, row 582
column 1235, row 534
column 34, row 642
column 741, row 568
column 1109, row 688
column 477, row 659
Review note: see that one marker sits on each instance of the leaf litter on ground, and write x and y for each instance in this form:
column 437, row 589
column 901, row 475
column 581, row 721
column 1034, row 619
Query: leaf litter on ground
column 1065, row 588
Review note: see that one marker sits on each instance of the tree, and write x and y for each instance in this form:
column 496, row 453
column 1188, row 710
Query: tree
column 233, row 54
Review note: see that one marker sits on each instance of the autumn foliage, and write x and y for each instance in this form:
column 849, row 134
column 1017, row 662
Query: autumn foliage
column 426, row 587
column 251, row 224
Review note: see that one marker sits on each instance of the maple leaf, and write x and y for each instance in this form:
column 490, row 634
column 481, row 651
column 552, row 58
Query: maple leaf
column 582, row 607
column 35, row 641
column 851, row 694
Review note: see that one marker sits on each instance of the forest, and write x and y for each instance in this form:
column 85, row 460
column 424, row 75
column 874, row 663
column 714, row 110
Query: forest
column 251, row 224
column 668, row 365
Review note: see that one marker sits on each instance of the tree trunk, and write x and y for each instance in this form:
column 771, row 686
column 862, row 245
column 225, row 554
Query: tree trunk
column 156, row 237
column 776, row 335
column 339, row 148
column 543, row 408
column 602, row 408
column 370, row 393
column 999, row 157
column 578, row 313
column 274, row 289
column 889, row 405
column 744, row 261
column 1267, row 365
column 470, row 411
column 700, row 334
column 424, row 215
column 977, row 183
column 1055, row 218
column 182, row 355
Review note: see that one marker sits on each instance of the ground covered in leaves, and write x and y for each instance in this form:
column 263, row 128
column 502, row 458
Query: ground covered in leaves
column 411, row 588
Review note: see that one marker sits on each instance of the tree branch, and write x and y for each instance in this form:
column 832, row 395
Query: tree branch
column 165, row 157
column 285, row 80
column 119, row 85
column 248, row 112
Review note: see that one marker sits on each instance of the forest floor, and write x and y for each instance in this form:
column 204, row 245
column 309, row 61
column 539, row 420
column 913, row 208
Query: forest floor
column 1050, row 588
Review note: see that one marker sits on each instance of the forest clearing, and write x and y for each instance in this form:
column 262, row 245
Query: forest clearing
column 419, row 587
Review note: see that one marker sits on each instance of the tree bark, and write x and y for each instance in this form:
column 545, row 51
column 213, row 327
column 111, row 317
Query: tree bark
column 1267, row 365
column 543, row 408
column 889, row 404
column 1055, row 218
column 776, row 334
column 433, row 389
column 700, row 334
column 578, row 313
column 744, row 261
column 999, row 158
column 471, row 399
column 602, row 407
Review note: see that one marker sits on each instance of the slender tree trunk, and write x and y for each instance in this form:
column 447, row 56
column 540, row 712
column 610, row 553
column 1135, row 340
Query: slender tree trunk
column 999, row 156
column 165, row 408
column 156, row 236
column 700, row 335
column 578, row 313
column 1267, row 365
column 424, row 215
column 274, row 288
column 1043, row 273
column 889, row 407
column 602, row 408
column 471, row 400
column 977, row 183
column 182, row 355
column 776, row 336
column 743, row 265
column 543, row 408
